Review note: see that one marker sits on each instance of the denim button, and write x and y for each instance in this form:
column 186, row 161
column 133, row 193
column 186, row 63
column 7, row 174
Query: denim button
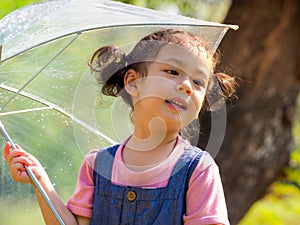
column 131, row 196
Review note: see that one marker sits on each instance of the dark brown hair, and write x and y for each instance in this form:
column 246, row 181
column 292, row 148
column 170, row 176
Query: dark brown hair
column 109, row 65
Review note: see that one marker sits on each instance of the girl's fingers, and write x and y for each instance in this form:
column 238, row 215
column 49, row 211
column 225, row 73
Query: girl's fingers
column 18, row 155
column 17, row 166
column 18, row 173
column 18, row 147
column 13, row 154
column 7, row 149
column 25, row 161
column 17, row 160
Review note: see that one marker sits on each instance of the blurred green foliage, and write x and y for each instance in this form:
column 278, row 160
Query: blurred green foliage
column 7, row 6
column 201, row 9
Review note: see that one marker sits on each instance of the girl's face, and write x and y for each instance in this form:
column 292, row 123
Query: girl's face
column 173, row 90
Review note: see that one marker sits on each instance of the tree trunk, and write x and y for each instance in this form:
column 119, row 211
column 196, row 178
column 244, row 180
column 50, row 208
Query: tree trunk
column 264, row 54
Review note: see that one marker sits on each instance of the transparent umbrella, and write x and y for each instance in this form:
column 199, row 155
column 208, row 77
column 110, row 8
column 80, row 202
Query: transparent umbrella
column 48, row 98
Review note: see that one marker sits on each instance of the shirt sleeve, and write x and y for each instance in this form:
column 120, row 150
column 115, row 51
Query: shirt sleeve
column 205, row 196
column 81, row 202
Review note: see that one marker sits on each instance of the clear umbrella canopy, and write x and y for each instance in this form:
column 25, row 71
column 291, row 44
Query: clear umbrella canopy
column 49, row 101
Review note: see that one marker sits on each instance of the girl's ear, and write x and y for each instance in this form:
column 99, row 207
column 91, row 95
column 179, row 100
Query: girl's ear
column 131, row 78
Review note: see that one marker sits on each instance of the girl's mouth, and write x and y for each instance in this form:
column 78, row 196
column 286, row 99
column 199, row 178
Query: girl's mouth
column 175, row 104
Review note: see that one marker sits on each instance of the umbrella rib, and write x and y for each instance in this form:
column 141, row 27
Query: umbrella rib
column 24, row 111
column 57, row 108
column 34, row 76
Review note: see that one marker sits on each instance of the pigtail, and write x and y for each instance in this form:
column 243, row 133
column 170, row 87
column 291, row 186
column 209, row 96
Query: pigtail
column 227, row 85
column 221, row 88
column 108, row 65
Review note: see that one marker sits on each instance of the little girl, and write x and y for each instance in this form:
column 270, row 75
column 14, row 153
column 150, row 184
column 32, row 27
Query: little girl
column 154, row 176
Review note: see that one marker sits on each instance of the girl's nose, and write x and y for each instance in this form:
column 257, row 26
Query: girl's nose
column 185, row 86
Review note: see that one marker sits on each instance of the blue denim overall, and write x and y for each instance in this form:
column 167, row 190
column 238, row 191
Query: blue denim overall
column 116, row 205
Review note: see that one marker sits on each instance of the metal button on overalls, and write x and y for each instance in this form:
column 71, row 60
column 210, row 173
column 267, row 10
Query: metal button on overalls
column 131, row 196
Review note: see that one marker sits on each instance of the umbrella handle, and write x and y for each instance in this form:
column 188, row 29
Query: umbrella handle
column 33, row 178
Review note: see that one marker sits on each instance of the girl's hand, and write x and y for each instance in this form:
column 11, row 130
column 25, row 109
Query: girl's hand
column 18, row 159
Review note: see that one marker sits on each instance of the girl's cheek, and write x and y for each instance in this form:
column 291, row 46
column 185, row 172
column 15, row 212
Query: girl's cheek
column 199, row 102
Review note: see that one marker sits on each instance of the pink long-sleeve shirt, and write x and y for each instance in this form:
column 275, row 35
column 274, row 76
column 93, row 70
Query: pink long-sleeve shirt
column 205, row 201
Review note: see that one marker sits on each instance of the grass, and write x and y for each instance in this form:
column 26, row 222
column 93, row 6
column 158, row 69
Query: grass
column 21, row 212
column 279, row 207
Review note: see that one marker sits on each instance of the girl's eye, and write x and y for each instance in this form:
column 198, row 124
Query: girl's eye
column 172, row 72
column 198, row 83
